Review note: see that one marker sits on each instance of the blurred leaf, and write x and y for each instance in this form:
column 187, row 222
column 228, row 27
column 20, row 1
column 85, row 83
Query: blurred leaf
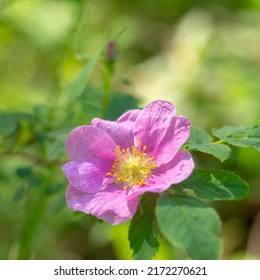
column 91, row 101
column 200, row 140
column 248, row 136
column 25, row 116
column 24, row 172
column 53, row 188
column 55, row 150
column 35, row 181
column 119, row 104
column 141, row 232
column 60, row 132
column 77, row 216
column 188, row 222
column 216, row 185
column 19, row 193
column 41, row 113
column 29, row 177
column 56, row 206
column 81, row 80
column 8, row 124
column 127, row 82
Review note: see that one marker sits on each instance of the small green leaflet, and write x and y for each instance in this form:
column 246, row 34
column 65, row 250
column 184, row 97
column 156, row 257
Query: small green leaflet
column 247, row 136
column 188, row 222
column 141, row 233
column 215, row 185
column 201, row 141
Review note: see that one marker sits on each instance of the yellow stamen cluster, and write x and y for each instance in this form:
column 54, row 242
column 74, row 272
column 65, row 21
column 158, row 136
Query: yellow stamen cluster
column 132, row 166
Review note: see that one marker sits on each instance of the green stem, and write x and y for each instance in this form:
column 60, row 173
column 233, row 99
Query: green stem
column 107, row 84
column 35, row 209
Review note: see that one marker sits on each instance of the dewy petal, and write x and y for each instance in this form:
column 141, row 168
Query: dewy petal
column 87, row 176
column 130, row 115
column 111, row 205
column 162, row 131
column 121, row 133
column 171, row 173
column 90, row 142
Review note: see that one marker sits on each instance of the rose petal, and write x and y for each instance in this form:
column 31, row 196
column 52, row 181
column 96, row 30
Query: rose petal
column 130, row 115
column 161, row 131
column 90, row 142
column 121, row 133
column 87, row 176
column 171, row 173
column 169, row 144
column 110, row 205
column 152, row 123
column 175, row 171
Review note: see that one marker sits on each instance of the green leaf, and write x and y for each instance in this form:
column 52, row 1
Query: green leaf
column 200, row 140
column 141, row 233
column 220, row 151
column 188, row 222
column 81, row 80
column 8, row 124
column 198, row 136
column 215, row 185
column 247, row 136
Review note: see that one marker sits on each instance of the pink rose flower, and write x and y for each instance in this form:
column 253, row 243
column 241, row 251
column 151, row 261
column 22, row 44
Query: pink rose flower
column 113, row 163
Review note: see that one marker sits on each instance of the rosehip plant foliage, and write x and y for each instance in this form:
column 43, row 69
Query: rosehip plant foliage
column 125, row 164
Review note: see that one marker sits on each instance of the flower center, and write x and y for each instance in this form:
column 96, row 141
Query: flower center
column 132, row 166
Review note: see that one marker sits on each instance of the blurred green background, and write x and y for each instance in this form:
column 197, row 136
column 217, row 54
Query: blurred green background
column 204, row 56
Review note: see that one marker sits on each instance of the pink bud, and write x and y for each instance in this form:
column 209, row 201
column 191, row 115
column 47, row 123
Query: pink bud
column 111, row 51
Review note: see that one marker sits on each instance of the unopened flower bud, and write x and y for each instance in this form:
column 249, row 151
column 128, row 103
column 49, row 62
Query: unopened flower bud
column 111, row 54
